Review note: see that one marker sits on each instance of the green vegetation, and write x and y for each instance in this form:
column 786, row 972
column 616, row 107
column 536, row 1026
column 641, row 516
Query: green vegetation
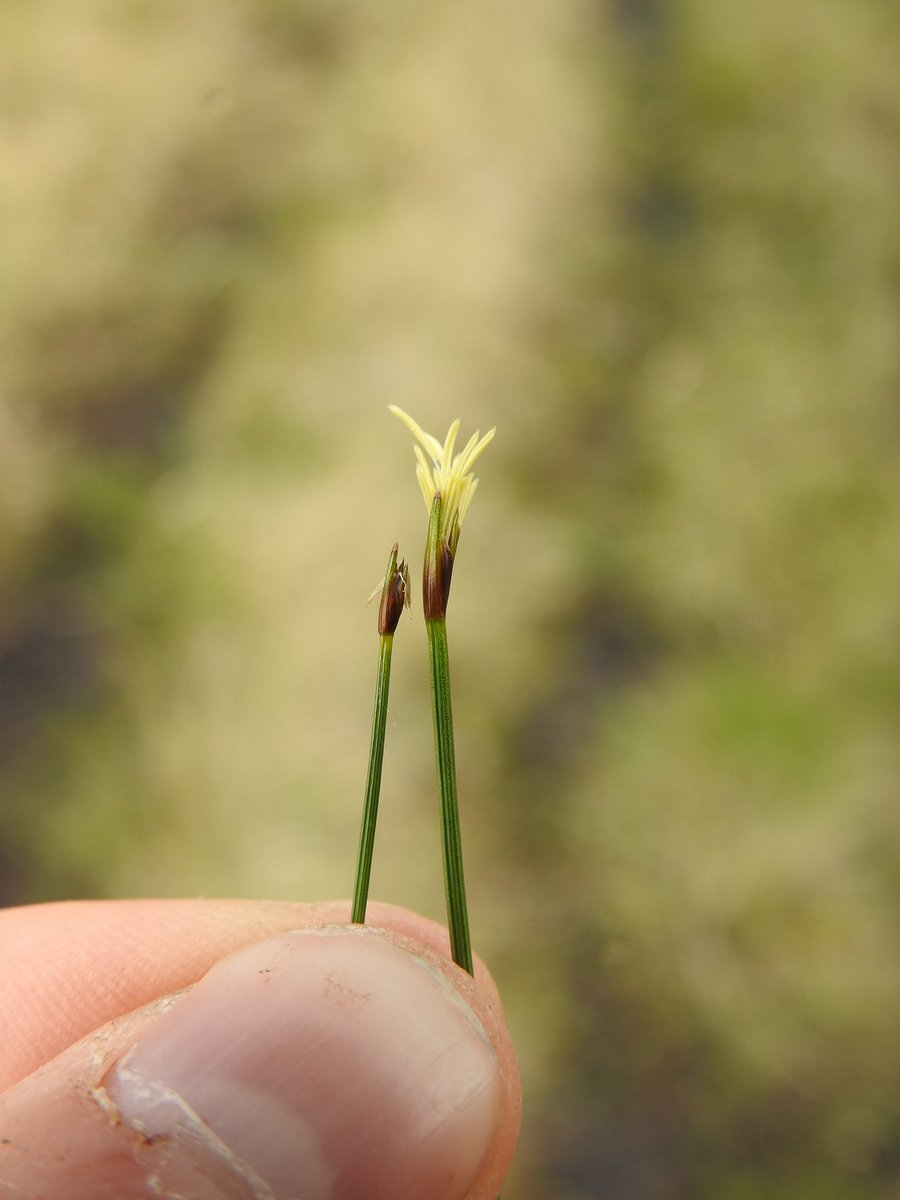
column 656, row 244
column 394, row 597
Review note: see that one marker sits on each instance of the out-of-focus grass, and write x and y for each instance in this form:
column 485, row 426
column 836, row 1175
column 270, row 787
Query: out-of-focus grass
column 657, row 245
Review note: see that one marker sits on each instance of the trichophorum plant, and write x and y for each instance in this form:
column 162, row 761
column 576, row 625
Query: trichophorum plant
column 394, row 595
column 448, row 486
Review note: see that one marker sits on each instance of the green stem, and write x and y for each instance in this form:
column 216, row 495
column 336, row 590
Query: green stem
column 373, row 782
column 451, row 842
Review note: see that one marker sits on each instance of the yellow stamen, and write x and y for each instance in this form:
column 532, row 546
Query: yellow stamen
column 447, row 475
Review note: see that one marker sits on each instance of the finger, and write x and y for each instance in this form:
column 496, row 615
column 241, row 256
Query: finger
column 328, row 1063
column 71, row 967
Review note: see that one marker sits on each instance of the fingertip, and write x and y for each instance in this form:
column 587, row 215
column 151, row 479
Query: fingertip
column 349, row 1060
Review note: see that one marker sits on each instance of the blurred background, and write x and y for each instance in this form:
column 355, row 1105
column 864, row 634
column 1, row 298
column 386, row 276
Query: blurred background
column 656, row 243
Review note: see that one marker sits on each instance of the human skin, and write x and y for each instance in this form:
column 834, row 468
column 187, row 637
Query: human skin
column 247, row 1049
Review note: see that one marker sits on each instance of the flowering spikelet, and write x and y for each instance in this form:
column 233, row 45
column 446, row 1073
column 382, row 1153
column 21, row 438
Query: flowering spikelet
column 446, row 475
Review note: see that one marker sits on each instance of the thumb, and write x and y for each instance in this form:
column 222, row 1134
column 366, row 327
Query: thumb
column 327, row 1064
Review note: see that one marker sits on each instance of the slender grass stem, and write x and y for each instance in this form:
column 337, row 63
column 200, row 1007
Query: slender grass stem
column 373, row 782
column 394, row 595
column 445, row 756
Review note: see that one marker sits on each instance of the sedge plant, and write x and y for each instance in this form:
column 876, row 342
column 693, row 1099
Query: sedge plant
column 394, row 595
column 448, row 486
